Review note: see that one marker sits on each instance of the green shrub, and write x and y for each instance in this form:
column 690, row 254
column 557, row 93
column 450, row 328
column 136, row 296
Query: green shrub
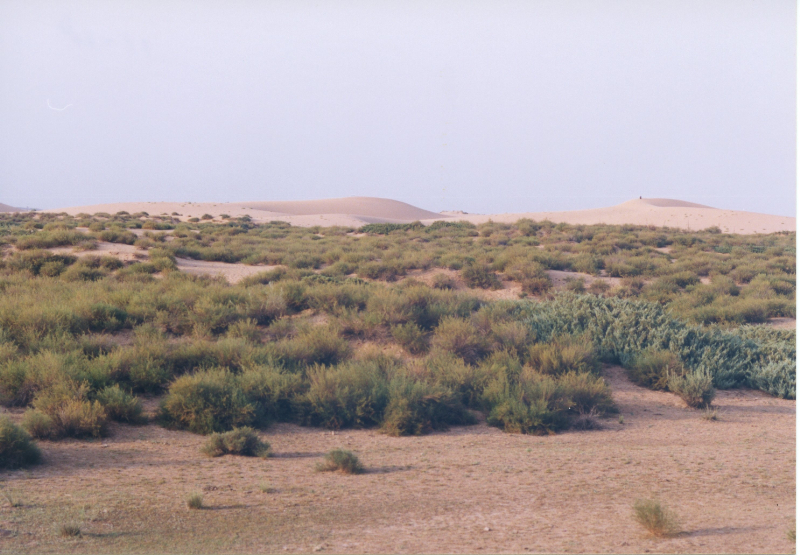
column 206, row 402
column 340, row 460
column 416, row 407
column 536, row 285
column 443, row 281
column 350, row 395
column 195, row 500
column 656, row 518
column 16, row 448
column 696, row 389
column 239, row 441
column 70, row 412
column 120, row 405
column 318, row 345
column 654, row 368
column 457, row 336
column 411, row 337
column 475, row 275
column 38, row 424
column 563, row 354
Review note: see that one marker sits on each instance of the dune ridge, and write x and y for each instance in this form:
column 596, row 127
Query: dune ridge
column 357, row 211
column 7, row 208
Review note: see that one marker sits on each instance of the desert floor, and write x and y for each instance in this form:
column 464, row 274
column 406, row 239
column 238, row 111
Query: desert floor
column 472, row 489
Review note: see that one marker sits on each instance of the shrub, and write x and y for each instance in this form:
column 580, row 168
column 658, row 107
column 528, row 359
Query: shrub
column 536, row 285
column 654, row 368
column 120, row 405
column 38, row 424
column 416, row 407
column 69, row 531
column 340, row 460
column 70, row 412
column 598, row 287
column 656, row 518
column 696, row 389
column 205, row 402
column 318, row 345
column 586, row 394
column 475, row 275
column 239, row 441
column 563, row 354
column 350, row 395
column 195, row 500
column 457, row 336
column 16, row 448
column 443, row 281
column 411, row 337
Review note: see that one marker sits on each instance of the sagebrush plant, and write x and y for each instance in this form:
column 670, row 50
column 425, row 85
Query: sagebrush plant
column 69, row 531
column 17, row 450
column 656, row 518
column 340, row 460
column 239, row 441
column 696, row 389
column 194, row 501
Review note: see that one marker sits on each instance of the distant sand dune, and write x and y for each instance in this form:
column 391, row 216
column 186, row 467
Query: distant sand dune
column 356, row 211
column 7, row 208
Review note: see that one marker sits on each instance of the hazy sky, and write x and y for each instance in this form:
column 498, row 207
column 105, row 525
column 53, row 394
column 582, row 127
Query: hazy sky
column 483, row 106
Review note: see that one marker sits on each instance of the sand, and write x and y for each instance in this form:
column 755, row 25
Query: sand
column 7, row 208
column 473, row 489
column 357, row 211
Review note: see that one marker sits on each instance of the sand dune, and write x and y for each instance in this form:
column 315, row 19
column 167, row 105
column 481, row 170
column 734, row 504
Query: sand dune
column 356, row 211
column 659, row 213
column 7, row 208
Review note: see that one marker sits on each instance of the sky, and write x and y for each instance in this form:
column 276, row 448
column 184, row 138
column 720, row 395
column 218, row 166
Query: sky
column 483, row 106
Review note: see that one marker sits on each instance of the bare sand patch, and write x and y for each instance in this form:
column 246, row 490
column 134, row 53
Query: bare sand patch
column 232, row 272
column 473, row 489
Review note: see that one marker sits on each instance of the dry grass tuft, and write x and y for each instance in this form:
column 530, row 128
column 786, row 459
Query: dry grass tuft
column 342, row 461
column 656, row 518
column 195, row 501
column 70, row 531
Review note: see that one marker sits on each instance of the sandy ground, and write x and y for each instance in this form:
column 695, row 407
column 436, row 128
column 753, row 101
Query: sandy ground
column 473, row 489
column 233, row 273
column 356, row 211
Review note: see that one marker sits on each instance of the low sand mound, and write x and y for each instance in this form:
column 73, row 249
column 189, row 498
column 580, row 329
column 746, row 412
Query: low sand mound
column 349, row 212
column 663, row 203
column 367, row 207
column 659, row 213
column 7, row 208
column 357, row 211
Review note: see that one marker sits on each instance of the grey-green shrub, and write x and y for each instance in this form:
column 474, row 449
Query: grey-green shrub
column 340, row 460
column 695, row 388
column 16, row 448
column 120, row 405
column 416, row 407
column 206, row 402
column 242, row 441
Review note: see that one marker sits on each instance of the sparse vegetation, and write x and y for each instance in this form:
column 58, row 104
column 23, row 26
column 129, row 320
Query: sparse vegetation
column 70, row 531
column 657, row 519
column 195, row 501
column 340, row 460
column 239, row 441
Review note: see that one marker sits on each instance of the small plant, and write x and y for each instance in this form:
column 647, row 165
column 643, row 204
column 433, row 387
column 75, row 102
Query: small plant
column 70, row 531
column 696, row 389
column 710, row 414
column 443, row 281
column 239, row 441
column 342, row 461
column 264, row 487
column 475, row 275
column 791, row 534
column 16, row 447
column 411, row 337
column 195, row 501
column 12, row 498
column 656, row 518
column 121, row 405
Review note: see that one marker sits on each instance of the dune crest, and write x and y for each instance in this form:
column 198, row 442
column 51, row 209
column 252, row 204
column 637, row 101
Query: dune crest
column 7, row 208
column 357, row 211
